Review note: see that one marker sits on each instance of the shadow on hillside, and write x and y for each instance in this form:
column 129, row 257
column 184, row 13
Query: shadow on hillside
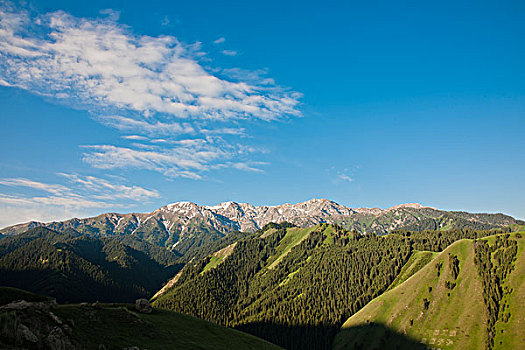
column 374, row 336
column 292, row 337
column 370, row 336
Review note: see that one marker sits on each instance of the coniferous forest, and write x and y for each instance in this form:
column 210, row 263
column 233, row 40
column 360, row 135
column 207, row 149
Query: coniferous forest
column 301, row 301
column 495, row 262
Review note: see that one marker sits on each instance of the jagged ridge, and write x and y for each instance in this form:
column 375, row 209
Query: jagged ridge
column 182, row 226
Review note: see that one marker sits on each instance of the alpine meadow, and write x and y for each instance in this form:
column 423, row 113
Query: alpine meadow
column 262, row 175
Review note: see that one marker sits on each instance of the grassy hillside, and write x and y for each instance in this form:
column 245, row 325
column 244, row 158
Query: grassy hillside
column 280, row 286
column 113, row 326
column 417, row 261
column 294, row 286
column 219, row 257
column 293, row 237
column 442, row 305
column 117, row 328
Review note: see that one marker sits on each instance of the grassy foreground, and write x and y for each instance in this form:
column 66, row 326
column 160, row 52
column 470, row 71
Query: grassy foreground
column 119, row 326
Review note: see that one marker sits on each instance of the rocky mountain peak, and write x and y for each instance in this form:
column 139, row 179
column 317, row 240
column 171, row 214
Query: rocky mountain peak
column 176, row 220
column 410, row 205
column 180, row 206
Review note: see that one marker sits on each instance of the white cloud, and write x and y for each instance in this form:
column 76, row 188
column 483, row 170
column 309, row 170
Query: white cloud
column 48, row 201
column 135, row 137
column 224, row 131
column 189, row 158
column 153, row 88
column 252, row 76
column 103, row 189
column 82, row 187
column 67, row 201
column 50, row 188
column 5, row 83
column 345, row 177
column 250, row 166
column 102, row 65
column 144, row 127
column 229, row 52
column 112, row 14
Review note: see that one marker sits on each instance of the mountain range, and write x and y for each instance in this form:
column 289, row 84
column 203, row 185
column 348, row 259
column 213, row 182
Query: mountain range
column 185, row 226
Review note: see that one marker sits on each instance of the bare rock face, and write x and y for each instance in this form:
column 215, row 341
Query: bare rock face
column 57, row 340
column 23, row 305
column 25, row 333
column 143, row 306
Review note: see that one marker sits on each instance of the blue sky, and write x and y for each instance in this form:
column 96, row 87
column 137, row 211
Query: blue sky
column 129, row 105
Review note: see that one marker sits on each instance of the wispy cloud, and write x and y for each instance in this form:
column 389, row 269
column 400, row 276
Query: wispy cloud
column 104, row 189
column 152, row 88
column 189, row 158
column 135, row 137
column 146, row 128
column 342, row 175
column 50, row 188
column 82, row 187
column 165, row 22
column 224, row 131
column 112, row 14
column 229, row 52
column 345, row 177
column 46, row 201
column 250, row 166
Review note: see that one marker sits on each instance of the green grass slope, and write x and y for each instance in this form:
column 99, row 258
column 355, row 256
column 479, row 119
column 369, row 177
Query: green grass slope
column 417, row 261
column 119, row 327
column 219, row 256
column 424, row 311
column 293, row 237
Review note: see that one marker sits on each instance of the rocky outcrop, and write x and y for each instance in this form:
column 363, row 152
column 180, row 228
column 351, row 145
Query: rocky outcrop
column 143, row 306
column 24, row 333
column 34, row 325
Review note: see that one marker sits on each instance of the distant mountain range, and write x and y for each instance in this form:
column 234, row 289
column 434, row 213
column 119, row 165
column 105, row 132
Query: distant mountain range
column 183, row 226
column 180, row 224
